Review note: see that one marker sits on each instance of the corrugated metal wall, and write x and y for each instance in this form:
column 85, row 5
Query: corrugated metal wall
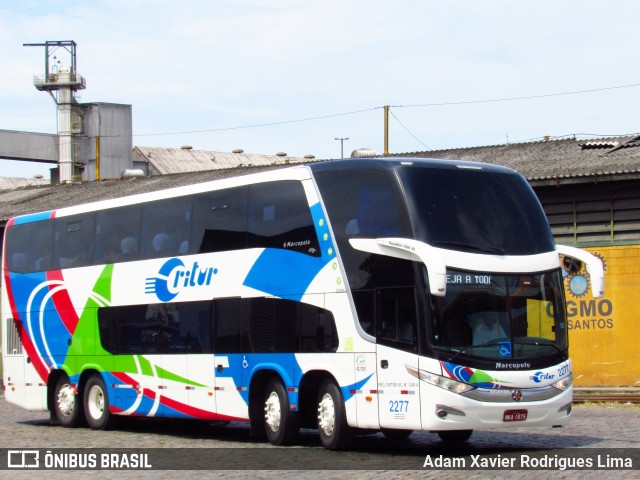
column 593, row 213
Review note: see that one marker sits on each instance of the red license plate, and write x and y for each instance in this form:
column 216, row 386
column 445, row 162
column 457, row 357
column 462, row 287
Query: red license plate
column 514, row 415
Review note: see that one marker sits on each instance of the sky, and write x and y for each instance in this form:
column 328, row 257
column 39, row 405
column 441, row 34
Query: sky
column 291, row 76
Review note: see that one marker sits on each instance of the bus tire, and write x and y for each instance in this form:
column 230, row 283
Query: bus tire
column 454, row 437
column 333, row 428
column 280, row 423
column 67, row 406
column 96, row 403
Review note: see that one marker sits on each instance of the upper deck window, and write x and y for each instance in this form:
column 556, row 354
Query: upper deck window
column 476, row 211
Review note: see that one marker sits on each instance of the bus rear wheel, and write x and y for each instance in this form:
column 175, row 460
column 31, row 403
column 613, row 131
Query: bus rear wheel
column 281, row 424
column 96, row 403
column 333, row 429
column 66, row 404
column 454, row 437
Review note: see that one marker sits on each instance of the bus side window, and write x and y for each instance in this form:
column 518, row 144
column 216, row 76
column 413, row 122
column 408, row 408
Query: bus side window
column 396, row 317
column 315, row 330
column 107, row 326
column 29, row 247
column 118, row 234
column 279, row 217
column 73, row 241
column 231, row 326
column 364, row 303
column 219, row 221
column 166, row 225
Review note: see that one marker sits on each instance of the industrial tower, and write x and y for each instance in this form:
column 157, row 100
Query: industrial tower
column 62, row 81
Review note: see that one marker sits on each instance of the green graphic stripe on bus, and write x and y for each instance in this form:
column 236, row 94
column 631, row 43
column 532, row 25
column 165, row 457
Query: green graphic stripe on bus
column 87, row 329
column 146, row 402
column 479, row 378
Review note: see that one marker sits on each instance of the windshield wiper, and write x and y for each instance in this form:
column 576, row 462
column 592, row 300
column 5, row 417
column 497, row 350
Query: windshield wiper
column 464, row 350
column 494, row 344
column 540, row 344
column 475, row 248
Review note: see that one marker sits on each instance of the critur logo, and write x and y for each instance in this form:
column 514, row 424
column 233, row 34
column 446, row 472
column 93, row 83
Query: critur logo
column 174, row 276
column 540, row 376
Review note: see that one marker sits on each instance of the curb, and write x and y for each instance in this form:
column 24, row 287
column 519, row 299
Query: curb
column 606, row 394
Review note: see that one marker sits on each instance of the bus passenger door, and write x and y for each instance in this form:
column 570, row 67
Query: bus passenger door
column 396, row 332
column 231, row 358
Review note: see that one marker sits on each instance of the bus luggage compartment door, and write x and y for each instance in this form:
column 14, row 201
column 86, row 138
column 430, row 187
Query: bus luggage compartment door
column 398, row 390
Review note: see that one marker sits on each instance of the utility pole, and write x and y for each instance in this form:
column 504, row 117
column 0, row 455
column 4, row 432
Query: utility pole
column 386, row 129
column 342, row 145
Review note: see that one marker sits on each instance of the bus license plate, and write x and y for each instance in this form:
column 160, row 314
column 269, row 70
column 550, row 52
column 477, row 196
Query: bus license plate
column 514, row 415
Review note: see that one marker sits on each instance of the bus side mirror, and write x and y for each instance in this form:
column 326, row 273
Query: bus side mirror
column 408, row 249
column 595, row 269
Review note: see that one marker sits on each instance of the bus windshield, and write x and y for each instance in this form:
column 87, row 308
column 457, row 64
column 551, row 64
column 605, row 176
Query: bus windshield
column 476, row 211
column 500, row 317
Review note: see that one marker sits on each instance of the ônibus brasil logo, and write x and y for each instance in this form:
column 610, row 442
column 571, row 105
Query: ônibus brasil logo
column 174, row 276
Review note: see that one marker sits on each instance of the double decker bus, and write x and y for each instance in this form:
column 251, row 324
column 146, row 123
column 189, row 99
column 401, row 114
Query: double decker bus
column 380, row 294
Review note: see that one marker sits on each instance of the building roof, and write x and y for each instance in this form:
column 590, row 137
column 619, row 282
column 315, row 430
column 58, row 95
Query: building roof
column 542, row 163
column 556, row 161
column 50, row 197
column 163, row 161
column 10, row 183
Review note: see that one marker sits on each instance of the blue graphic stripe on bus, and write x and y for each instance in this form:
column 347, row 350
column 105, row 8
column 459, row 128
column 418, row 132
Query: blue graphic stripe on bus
column 123, row 397
column 300, row 269
column 283, row 273
column 41, row 320
column 174, row 276
column 34, row 217
column 350, row 390
column 242, row 368
column 322, row 229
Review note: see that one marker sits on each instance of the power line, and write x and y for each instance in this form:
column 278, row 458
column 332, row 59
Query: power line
column 256, row 125
column 354, row 112
column 509, row 99
column 409, row 131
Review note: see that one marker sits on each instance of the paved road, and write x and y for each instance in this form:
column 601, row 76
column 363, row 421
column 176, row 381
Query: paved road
column 594, row 429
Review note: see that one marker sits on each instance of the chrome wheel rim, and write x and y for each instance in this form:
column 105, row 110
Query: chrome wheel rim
column 66, row 400
column 272, row 412
column 95, row 402
column 326, row 415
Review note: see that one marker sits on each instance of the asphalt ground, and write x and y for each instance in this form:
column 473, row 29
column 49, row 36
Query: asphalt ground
column 605, row 436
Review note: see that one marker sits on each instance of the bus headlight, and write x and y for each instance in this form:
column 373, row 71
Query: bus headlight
column 440, row 381
column 563, row 384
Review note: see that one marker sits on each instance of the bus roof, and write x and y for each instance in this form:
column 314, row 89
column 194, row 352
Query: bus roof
column 14, row 203
column 395, row 162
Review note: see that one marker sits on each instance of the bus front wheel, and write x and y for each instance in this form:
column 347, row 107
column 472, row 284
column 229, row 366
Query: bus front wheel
column 66, row 404
column 281, row 424
column 96, row 403
column 332, row 417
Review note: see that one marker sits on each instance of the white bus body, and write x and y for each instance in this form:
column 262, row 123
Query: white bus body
column 341, row 295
